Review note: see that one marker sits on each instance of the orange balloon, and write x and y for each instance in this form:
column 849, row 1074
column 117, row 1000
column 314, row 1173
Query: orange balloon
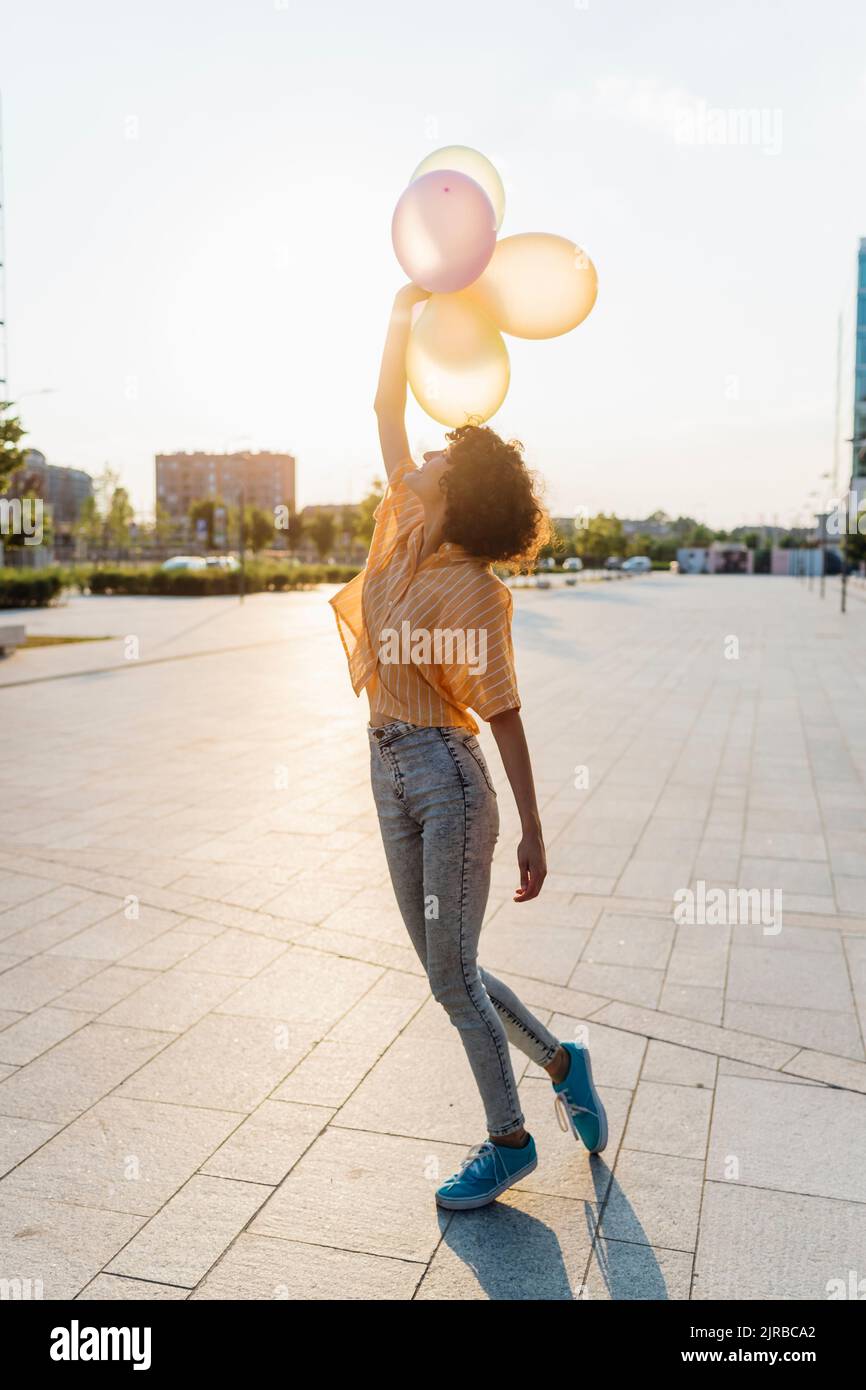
column 456, row 362
column 536, row 285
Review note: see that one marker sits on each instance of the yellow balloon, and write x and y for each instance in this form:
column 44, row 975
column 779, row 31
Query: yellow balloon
column 456, row 362
column 536, row 285
column 472, row 163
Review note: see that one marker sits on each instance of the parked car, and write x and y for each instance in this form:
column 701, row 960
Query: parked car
column 573, row 562
column 184, row 562
column 637, row 564
column 613, row 562
column 222, row 562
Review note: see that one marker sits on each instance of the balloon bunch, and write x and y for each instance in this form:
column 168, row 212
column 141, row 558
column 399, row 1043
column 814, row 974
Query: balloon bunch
column 533, row 285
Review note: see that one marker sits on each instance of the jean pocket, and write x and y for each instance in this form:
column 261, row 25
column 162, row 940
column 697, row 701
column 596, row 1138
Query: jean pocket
column 473, row 748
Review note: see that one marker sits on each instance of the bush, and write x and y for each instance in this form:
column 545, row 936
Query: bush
column 261, row 576
column 29, row 588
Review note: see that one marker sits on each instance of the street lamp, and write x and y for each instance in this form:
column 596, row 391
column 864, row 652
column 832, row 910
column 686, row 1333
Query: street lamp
column 858, row 443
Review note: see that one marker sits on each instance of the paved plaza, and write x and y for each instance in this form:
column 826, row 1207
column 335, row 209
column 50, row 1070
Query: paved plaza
column 223, row 1075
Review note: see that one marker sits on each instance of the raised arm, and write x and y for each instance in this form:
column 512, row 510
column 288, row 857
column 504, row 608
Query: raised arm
column 390, row 403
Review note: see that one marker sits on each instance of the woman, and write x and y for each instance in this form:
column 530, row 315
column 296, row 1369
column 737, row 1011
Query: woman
column 427, row 631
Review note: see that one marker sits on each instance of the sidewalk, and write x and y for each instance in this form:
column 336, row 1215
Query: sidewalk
column 215, row 1038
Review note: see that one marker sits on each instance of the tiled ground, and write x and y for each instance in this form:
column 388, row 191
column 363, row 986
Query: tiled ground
column 222, row 1073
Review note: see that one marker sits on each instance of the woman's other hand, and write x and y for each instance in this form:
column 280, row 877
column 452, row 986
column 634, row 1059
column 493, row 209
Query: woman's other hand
column 532, row 863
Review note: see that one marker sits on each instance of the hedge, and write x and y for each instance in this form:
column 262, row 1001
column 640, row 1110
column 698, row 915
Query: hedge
column 36, row 588
column 29, row 588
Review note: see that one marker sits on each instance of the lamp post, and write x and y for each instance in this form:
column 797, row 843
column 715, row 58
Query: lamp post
column 821, row 519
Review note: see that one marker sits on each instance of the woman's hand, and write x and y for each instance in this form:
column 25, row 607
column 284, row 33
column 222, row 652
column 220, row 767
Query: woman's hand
column 532, row 862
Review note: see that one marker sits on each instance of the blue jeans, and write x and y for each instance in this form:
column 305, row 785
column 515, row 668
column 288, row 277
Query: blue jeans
column 440, row 821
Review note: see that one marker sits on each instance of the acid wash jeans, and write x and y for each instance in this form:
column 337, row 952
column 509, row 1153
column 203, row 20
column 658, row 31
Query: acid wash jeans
column 440, row 821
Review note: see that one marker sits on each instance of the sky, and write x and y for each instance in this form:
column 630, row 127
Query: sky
column 198, row 199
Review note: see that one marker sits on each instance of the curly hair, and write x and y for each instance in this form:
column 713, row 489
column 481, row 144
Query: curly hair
column 492, row 502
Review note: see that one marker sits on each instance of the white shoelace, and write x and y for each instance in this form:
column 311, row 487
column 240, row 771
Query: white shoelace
column 565, row 1107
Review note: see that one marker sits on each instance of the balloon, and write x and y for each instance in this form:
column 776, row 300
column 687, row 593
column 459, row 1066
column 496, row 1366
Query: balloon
column 456, row 361
column 470, row 162
column 536, row 285
column 444, row 230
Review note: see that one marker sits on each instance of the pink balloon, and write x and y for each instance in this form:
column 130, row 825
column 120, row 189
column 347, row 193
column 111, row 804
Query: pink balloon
column 444, row 231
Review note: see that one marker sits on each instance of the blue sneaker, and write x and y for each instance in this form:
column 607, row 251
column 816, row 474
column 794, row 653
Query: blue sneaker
column 577, row 1103
column 488, row 1170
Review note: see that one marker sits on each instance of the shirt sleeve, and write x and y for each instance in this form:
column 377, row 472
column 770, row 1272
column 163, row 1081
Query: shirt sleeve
column 480, row 674
column 398, row 513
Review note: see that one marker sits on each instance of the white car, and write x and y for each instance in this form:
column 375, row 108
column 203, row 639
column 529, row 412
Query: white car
column 222, row 562
column 638, row 564
column 184, row 562
column 573, row 562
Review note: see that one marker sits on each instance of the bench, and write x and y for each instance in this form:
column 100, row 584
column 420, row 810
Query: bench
column 11, row 635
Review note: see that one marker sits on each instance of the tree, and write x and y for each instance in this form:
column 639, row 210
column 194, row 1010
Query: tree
column 321, row 531
column 601, row 537
column 259, row 528
column 11, row 434
column 119, row 518
column 88, row 527
column 294, row 532
column 163, row 524
column 364, row 521
column 204, row 509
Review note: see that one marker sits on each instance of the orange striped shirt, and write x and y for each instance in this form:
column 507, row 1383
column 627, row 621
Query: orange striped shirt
column 429, row 641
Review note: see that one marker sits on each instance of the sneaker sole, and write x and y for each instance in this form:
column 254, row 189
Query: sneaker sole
column 469, row 1203
column 602, row 1113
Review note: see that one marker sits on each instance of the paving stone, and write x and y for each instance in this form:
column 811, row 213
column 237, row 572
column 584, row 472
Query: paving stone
column 623, row 1271
column 723, row 1042
column 330, row 1072
column 783, row 975
column 58, row 1247
column 123, row 1155
column 335, row 1195
column 422, row 1085
column 631, row 984
column 116, row 937
column 789, row 875
column 221, row 1063
column 266, row 1145
column 803, row 1139
column 834, row 1071
column 523, row 1246
column 77, row 1072
column 680, row 1066
column 35, row 1033
column 668, row 1119
column 258, row 1268
column 180, row 1243
column 311, row 989
column 761, row 1245
column 37, row 982
column 619, row 939
column 173, row 1001
column 827, row 1032
column 110, row 1287
column 653, row 1203
column 18, row 1138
